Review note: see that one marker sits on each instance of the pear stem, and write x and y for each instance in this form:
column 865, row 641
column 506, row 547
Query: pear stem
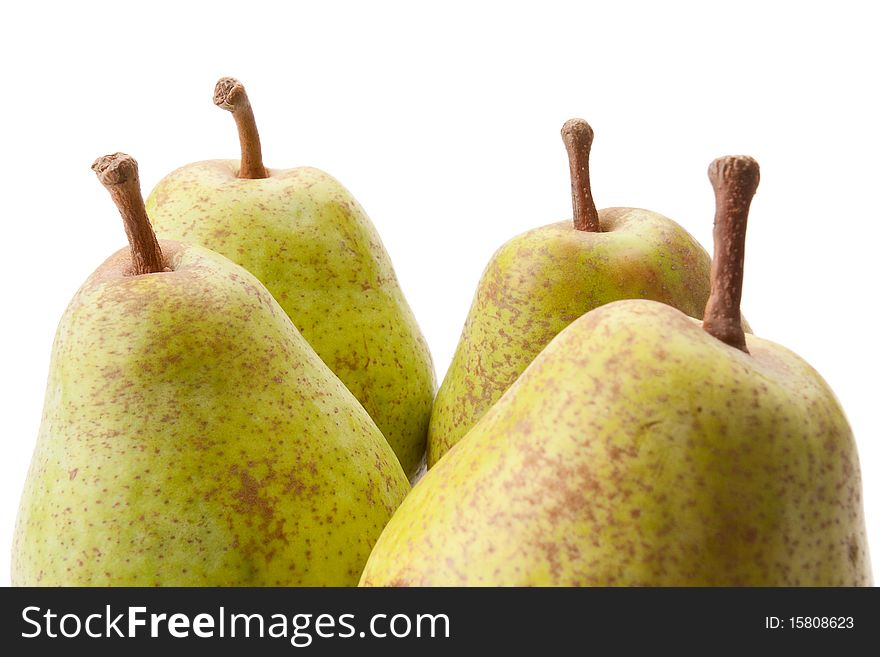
column 735, row 179
column 229, row 94
column 119, row 174
column 578, row 138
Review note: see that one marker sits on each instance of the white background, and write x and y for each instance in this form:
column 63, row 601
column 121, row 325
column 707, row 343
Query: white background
column 444, row 122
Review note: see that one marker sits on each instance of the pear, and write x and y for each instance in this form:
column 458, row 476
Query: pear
column 539, row 282
column 641, row 448
column 304, row 236
column 191, row 436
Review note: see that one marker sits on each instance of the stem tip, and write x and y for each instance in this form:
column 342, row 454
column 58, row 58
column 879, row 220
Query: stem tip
column 740, row 173
column 578, row 131
column 229, row 92
column 115, row 169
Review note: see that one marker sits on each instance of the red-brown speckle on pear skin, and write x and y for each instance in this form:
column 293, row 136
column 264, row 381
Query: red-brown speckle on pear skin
column 540, row 282
column 333, row 278
column 644, row 475
column 145, row 473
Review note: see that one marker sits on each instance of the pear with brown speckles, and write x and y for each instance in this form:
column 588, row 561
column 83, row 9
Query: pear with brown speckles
column 539, row 282
column 641, row 448
column 312, row 245
column 192, row 437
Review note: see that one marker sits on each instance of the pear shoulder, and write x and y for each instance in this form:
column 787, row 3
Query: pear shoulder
column 290, row 211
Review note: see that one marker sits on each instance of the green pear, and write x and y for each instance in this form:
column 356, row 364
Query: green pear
column 641, row 448
column 191, row 436
column 541, row 281
column 304, row 236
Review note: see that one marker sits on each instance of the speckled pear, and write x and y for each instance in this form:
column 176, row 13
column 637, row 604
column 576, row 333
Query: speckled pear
column 539, row 282
column 641, row 448
column 304, row 236
column 191, row 436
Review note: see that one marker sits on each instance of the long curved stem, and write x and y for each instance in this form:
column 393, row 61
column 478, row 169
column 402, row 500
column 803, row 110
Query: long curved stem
column 119, row 174
column 578, row 138
column 735, row 179
column 229, row 94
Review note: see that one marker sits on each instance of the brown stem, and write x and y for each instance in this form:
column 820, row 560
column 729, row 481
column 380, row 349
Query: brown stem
column 229, row 94
column 578, row 138
column 735, row 180
column 119, row 174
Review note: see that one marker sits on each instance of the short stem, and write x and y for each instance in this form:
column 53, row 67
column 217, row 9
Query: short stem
column 119, row 174
column 735, row 180
column 229, row 94
column 578, row 137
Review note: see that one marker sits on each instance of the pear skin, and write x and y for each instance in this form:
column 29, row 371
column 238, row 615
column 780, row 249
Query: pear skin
column 304, row 236
column 639, row 450
column 192, row 437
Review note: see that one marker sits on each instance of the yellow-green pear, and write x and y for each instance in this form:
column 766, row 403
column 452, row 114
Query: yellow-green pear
column 641, row 448
column 190, row 434
column 302, row 234
column 539, row 282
